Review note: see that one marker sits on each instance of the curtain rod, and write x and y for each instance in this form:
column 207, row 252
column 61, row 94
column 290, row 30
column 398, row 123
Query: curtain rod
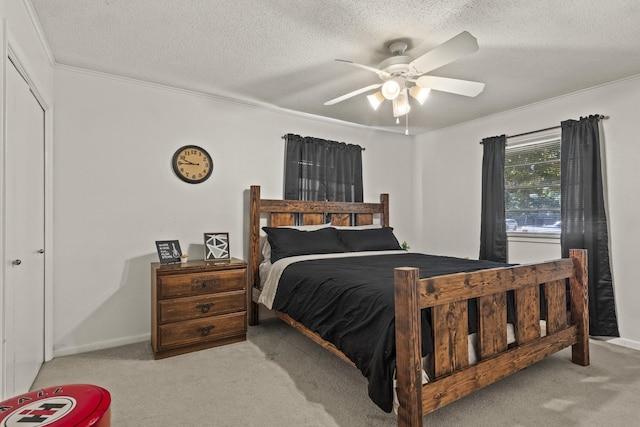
column 600, row 116
column 285, row 137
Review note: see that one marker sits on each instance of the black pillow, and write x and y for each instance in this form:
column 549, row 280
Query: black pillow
column 375, row 239
column 286, row 242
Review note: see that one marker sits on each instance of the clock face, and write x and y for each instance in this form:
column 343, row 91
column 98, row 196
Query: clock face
column 192, row 164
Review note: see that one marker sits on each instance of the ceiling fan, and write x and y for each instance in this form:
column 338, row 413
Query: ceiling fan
column 403, row 76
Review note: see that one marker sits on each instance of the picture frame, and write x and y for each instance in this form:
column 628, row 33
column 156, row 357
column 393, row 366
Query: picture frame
column 216, row 246
column 168, row 251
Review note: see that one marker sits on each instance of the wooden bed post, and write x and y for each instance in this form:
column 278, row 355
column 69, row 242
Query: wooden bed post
column 408, row 347
column 384, row 200
column 254, row 251
column 579, row 288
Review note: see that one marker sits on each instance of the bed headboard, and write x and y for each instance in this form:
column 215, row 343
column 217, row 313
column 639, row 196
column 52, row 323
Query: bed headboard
column 297, row 212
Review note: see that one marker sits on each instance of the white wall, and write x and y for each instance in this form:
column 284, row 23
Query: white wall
column 116, row 194
column 448, row 181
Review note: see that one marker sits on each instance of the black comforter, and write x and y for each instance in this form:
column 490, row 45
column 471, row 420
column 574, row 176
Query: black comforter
column 349, row 301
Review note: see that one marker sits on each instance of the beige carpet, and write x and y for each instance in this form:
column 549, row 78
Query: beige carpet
column 280, row 378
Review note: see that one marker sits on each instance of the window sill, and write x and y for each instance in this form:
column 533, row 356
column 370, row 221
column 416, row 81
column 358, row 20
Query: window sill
column 518, row 236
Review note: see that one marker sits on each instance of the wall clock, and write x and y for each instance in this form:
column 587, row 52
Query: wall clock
column 192, row 164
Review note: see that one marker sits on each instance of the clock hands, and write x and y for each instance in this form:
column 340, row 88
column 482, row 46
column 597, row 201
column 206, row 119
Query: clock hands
column 189, row 163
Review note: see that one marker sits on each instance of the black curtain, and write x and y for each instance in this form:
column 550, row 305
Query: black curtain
column 584, row 222
column 493, row 229
column 317, row 169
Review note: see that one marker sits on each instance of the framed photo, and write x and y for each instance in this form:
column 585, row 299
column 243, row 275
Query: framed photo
column 168, row 251
column 216, row 246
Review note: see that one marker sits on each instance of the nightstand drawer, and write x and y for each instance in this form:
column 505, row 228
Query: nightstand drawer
column 209, row 328
column 201, row 283
column 201, row 306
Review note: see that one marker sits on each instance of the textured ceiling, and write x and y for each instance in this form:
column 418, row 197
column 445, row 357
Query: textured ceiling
column 281, row 52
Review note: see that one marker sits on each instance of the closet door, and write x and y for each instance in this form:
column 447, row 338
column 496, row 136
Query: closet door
column 24, row 287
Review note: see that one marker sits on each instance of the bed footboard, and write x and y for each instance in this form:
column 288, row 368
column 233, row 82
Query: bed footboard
column 448, row 296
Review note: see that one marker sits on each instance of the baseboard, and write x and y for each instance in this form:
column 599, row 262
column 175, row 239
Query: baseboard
column 67, row 351
column 625, row 343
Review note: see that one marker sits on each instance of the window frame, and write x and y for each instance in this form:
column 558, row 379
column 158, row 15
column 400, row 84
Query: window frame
column 549, row 135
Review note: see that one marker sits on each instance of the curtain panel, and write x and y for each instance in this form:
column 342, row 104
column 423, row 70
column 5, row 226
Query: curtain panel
column 318, row 169
column 584, row 221
column 493, row 228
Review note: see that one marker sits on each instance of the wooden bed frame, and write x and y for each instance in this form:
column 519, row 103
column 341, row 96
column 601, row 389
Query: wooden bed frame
column 448, row 298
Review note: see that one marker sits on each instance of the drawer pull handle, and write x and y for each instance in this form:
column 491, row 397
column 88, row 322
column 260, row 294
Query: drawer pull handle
column 204, row 308
column 204, row 330
column 202, row 285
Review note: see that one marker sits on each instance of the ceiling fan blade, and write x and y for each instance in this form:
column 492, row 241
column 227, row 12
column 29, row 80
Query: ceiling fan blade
column 366, row 67
column 459, row 87
column 352, row 94
column 455, row 48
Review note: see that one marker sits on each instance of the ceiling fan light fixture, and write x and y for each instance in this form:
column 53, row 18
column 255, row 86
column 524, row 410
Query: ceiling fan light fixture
column 401, row 105
column 375, row 99
column 420, row 94
column 391, row 89
column 403, row 77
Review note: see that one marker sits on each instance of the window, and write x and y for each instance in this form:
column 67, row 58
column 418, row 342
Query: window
column 317, row 169
column 532, row 185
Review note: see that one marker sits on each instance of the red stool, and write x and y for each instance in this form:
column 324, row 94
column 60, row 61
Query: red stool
column 70, row 405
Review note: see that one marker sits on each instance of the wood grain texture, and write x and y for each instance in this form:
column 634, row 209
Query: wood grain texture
column 460, row 286
column 527, row 305
column 282, row 219
column 197, row 305
column 579, row 286
column 254, row 252
column 384, row 203
column 555, row 295
column 364, row 219
column 305, row 206
column 190, row 282
column 312, row 219
column 492, row 324
column 201, row 306
column 341, row 219
column 465, row 381
column 408, row 347
column 450, row 330
column 201, row 330
column 444, row 293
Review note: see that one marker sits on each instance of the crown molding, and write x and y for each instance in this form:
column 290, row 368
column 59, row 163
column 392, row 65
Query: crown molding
column 543, row 102
column 221, row 98
column 33, row 16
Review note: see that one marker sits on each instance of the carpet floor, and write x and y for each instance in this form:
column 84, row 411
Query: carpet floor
column 278, row 377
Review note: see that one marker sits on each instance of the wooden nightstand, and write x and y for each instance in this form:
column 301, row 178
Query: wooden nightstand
column 197, row 305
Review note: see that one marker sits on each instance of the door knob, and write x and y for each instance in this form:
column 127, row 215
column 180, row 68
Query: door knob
column 16, row 262
column 40, row 251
